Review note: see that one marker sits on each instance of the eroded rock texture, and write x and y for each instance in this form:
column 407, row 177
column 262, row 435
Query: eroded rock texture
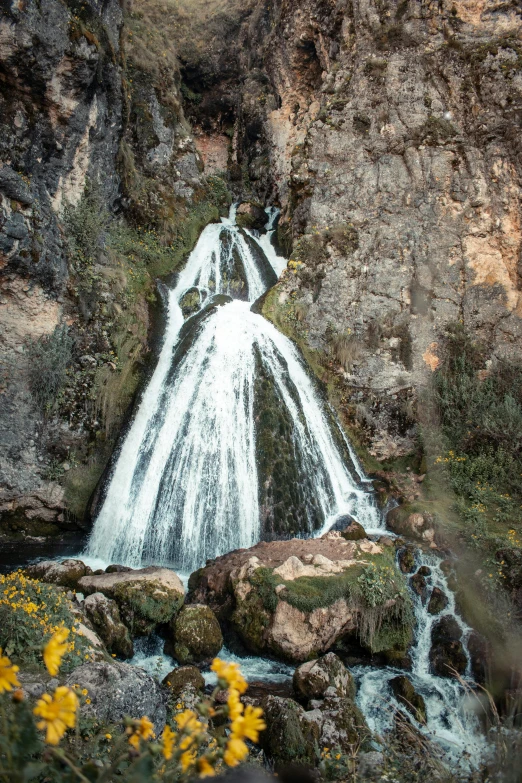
column 389, row 132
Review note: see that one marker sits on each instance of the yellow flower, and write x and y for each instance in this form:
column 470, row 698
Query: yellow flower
column 205, row 768
column 188, row 721
column 8, row 678
column 134, row 741
column 58, row 713
column 235, row 707
column 236, row 751
column 85, row 692
column 248, row 725
column 230, row 673
column 108, row 736
column 187, row 759
column 145, row 729
column 54, row 651
column 167, row 741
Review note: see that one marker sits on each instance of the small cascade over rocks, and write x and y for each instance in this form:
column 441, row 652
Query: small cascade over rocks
column 187, row 484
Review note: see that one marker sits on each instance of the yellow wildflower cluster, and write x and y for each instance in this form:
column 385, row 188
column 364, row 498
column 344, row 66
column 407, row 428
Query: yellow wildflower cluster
column 8, row 678
column 41, row 610
column 451, row 457
column 514, row 538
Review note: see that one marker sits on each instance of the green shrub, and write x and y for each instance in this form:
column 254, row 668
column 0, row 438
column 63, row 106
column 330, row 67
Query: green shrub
column 30, row 612
column 49, row 357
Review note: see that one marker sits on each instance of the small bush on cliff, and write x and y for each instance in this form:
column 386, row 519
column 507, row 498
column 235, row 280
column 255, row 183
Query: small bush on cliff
column 480, row 411
column 49, row 358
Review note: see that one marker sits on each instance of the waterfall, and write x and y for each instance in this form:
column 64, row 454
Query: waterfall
column 185, row 486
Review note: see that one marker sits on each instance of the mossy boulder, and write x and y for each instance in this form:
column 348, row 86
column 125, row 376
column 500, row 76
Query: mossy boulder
column 146, row 598
column 196, row 637
column 313, row 678
column 411, row 520
column 66, row 574
column 288, row 738
column 191, row 302
column 406, row 694
column 104, row 615
column 179, row 679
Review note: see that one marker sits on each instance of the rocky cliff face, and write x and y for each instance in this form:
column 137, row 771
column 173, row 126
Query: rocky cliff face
column 389, row 132
column 101, row 189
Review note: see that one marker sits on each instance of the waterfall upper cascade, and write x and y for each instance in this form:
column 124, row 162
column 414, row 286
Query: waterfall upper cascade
column 185, row 484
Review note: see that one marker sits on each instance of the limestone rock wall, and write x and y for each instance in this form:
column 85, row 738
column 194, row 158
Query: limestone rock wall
column 397, row 122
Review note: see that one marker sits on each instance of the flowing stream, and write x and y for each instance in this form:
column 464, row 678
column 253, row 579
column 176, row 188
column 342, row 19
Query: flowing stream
column 185, row 486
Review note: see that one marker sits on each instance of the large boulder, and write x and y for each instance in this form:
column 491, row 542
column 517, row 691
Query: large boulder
column 195, row 635
column 295, row 735
column 104, row 615
column 66, row 573
column 406, row 694
column 288, row 738
column 411, row 521
column 146, row 597
column 119, row 689
column 447, row 655
column 313, row 678
column 295, row 599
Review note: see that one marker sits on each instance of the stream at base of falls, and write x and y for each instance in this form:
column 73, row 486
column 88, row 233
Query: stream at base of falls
column 186, row 485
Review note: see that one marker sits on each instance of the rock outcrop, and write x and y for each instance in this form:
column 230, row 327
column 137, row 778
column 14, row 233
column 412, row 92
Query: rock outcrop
column 104, row 615
column 66, row 573
column 145, row 597
column 294, row 599
column 447, row 655
column 312, row 679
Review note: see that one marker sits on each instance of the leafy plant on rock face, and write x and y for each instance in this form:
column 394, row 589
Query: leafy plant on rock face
column 49, row 357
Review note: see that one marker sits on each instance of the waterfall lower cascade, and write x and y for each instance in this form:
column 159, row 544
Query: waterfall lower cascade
column 185, row 485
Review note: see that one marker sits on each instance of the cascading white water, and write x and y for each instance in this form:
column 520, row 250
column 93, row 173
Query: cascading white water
column 185, row 485
column 452, row 719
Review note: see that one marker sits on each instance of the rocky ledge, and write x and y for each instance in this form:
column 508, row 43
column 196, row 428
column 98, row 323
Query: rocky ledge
column 297, row 599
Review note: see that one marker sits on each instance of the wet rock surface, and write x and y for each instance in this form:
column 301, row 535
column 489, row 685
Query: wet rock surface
column 447, row 655
column 66, row 573
column 407, row 695
column 312, row 679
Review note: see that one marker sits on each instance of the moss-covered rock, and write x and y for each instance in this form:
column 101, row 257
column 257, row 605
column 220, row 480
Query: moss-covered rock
column 312, row 679
column 195, row 635
column 288, row 737
column 146, row 598
column 447, row 655
column 353, row 532
column 438, row 601
column 406, row 558
column 179, row 679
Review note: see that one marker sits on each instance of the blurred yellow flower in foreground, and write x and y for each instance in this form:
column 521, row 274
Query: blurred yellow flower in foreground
column 58, row 713
column 54, row 651
column 8, row 678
